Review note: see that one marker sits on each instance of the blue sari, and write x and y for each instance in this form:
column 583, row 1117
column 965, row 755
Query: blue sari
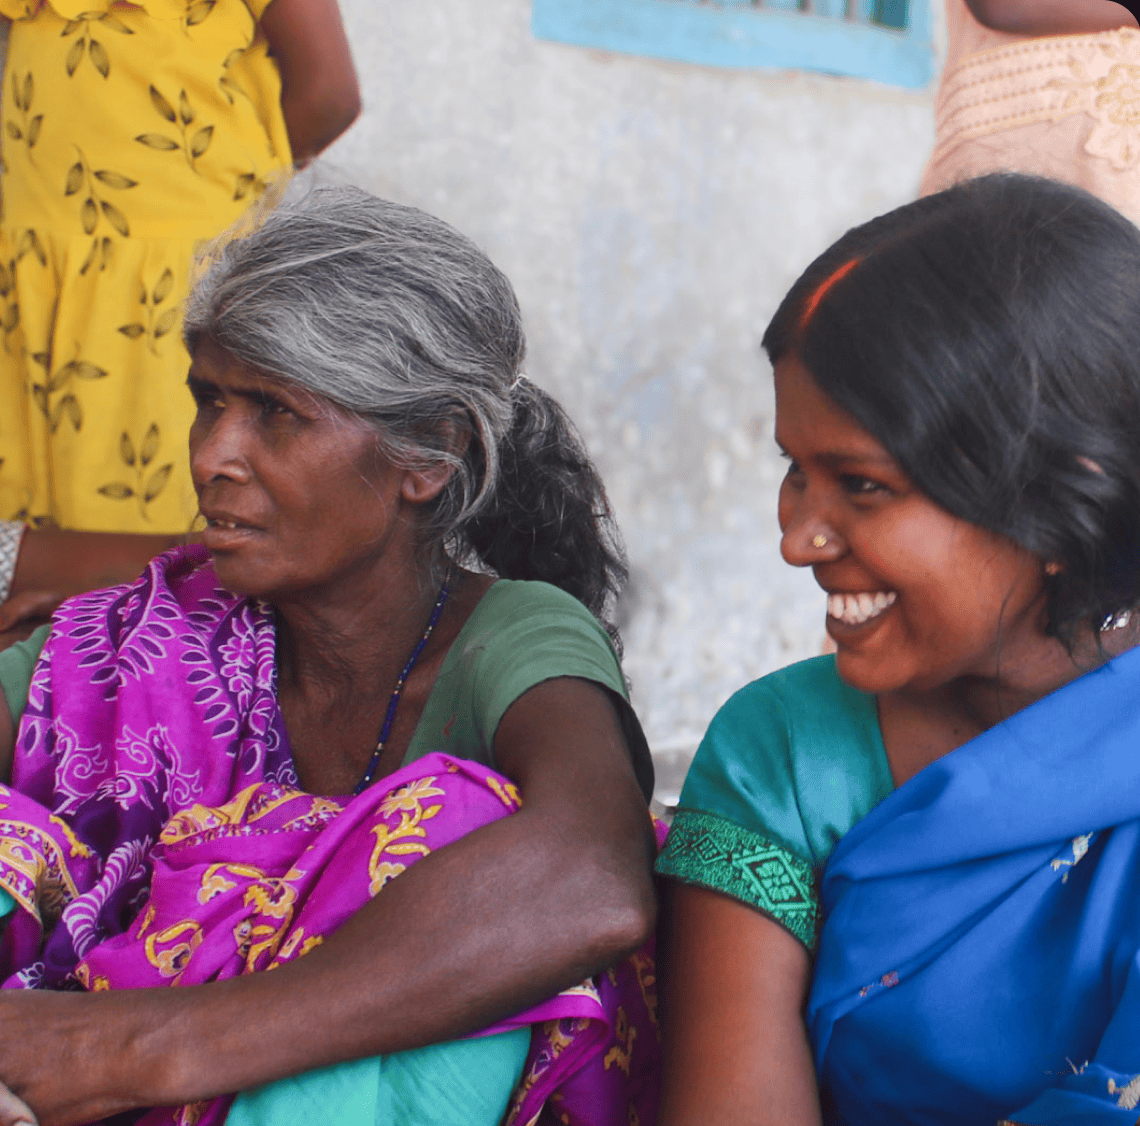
column 978, row 960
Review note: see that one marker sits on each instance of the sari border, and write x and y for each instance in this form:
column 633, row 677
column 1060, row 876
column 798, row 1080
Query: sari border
column 707, row 850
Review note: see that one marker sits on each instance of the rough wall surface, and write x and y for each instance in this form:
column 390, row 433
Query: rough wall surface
column 651, row 215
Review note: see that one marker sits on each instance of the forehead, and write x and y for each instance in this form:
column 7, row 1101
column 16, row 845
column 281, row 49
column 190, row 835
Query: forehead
column 810, row 421
column 211, row 363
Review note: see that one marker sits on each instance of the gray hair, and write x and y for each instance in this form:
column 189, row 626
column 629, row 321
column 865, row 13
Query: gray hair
column 385, row 311
column 397, row 318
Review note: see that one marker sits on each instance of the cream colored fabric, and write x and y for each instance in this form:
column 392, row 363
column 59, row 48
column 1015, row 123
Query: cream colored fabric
column 1065, row 106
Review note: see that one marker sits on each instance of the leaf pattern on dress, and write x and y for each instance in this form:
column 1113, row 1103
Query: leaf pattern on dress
column 82, row 177
column 197, row 12
column 147, row 486
column 66, row 407
column 87, row 44
column 9, row 301
column 191, row 143
column 27, row 129
column 157, row 324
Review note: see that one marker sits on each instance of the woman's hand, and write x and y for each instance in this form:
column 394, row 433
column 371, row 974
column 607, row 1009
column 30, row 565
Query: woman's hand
column 63, row 1054
column 734, row 985
column 320, row 95
column 14, row 1111
column 1051, row 17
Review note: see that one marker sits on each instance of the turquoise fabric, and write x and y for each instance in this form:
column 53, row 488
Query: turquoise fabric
column 463, row 1081
column 787, row 767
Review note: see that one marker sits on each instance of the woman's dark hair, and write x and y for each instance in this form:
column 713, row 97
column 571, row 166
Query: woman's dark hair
column 989, row 337
column 399, row 319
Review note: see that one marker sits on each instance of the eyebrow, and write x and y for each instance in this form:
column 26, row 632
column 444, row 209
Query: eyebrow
column 841, row 457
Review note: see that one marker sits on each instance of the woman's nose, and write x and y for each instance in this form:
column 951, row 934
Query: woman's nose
column 217, row 448
column 808, row 537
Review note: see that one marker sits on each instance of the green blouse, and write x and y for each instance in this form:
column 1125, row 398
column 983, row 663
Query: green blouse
column 787, row 766
column 519, row 635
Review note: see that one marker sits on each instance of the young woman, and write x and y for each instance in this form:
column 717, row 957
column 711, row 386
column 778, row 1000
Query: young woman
column 1041, row 86
column 905, row 875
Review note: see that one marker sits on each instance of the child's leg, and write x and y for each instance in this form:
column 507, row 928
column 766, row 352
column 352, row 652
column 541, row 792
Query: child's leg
column 466, row 1081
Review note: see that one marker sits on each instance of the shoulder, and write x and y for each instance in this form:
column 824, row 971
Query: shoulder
column 788, row 765
column 796, row 755
column 535, row 625
column 520, row 635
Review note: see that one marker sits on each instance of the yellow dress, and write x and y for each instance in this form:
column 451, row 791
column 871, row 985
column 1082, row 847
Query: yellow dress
column 130, row 135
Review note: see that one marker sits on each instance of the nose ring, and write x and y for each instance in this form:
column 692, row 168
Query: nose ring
column 819, row 540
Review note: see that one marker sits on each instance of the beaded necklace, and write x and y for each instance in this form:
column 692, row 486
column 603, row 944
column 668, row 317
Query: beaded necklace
column 394, row 699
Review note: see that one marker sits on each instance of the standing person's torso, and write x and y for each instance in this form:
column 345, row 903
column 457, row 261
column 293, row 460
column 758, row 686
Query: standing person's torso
column 149, row 122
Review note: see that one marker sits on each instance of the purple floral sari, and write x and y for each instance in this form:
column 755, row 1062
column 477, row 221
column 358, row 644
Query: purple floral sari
column 154, row 835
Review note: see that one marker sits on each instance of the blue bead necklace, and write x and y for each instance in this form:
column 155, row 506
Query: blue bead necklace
column 394, row 700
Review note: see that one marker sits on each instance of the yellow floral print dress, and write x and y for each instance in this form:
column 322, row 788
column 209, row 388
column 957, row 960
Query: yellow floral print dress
column 131, row 134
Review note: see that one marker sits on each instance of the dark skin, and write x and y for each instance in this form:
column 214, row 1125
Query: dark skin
column 1051, row 17
column 960, row 647
column 54, row 564
column 462, row 938
column 320, row 94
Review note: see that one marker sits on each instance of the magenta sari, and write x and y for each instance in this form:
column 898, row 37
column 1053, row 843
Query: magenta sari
column 154, row 835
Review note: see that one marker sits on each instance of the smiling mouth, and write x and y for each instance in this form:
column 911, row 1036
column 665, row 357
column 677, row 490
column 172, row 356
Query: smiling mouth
column 855, row 609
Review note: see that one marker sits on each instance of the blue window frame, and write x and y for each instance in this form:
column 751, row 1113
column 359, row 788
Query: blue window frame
column 885, row 40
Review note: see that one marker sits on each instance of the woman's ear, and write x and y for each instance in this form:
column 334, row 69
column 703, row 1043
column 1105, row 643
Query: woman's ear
column 422, row 485
column 426, row 482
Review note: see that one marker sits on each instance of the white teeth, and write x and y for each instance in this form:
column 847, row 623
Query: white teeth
column 855, row 609
column 223, row 524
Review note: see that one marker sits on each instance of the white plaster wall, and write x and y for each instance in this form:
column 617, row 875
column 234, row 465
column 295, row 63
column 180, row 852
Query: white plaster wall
column 651, row 215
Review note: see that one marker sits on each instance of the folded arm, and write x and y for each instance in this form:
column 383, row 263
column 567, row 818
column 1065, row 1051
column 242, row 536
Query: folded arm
column 734, row 985
column 1051, row 17
column 495, row 922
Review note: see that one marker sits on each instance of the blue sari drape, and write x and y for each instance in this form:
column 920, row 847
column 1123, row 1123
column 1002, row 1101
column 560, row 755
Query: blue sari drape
column 979, row 953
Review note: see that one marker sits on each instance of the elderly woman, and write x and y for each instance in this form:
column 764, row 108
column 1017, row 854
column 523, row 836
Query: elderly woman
column 347, row 676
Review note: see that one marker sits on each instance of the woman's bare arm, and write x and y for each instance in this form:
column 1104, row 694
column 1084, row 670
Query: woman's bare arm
column 54, row 564
column 320, row 95
column 1051, row 17
column 492, row 924
column 735, row 984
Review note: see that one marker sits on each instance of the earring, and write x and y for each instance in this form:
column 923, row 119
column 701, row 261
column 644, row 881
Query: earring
column 819, row 540
column 1053, row 568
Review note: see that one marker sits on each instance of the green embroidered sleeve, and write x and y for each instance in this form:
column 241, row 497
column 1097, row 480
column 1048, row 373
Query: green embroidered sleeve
column 707, row 850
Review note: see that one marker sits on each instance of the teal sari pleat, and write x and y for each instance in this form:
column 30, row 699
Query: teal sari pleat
column 468, row 1081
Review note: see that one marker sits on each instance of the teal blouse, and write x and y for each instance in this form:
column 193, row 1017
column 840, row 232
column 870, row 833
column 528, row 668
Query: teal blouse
column 787, row 766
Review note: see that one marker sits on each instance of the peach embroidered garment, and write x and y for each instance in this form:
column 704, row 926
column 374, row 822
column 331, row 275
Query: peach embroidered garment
column 1063, row 106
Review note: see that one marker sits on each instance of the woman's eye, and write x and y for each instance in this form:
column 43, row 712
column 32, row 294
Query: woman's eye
column 862, row 486
column 273, row 407
column 204, row 396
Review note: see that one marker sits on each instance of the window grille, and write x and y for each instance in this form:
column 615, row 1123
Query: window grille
column 885, row 40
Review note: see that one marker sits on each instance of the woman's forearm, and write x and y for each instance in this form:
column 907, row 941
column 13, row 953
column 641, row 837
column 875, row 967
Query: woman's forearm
column 1051, row 17
column 409, row 969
